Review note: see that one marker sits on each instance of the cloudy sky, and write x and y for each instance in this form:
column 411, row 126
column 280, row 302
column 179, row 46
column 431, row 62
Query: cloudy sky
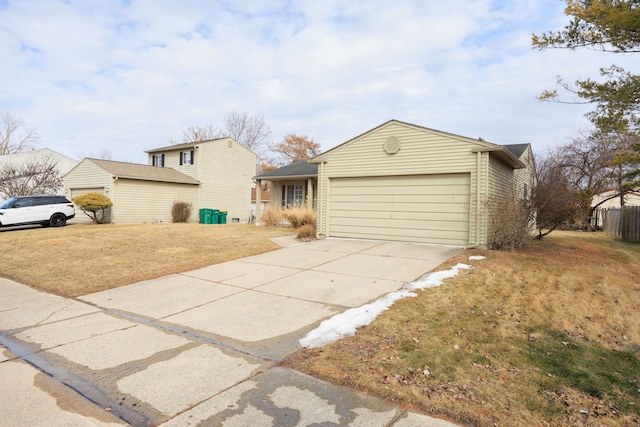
column 131, row 75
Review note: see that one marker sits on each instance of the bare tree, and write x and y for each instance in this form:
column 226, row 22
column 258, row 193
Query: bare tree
column 586, row 162
column 196, row 133
column 15, row 137
column 556, row 203
column 102, row 154
column 251, row 131
column 38, row 176
column 294, row 148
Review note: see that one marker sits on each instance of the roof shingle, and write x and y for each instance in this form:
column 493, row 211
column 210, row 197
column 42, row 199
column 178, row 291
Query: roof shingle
column 143, row 172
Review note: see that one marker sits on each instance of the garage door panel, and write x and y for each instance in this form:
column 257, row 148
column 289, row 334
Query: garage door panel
column 426, row 208
column 401, row 200
column 349, row 217
column 433, row 236
column 417, row 227
column 414, row 190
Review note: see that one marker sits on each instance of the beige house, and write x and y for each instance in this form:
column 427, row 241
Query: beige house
column 291, row 185
column 610, row 199
column 404, row 182
column 215, row 174
column 140, row 193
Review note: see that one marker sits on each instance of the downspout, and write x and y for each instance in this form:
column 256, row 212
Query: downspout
column 478, row 192
column 321, row 209
column 196, row 160
column 113, row 197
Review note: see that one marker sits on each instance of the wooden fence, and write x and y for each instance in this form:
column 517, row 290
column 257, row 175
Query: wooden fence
column 624, row 223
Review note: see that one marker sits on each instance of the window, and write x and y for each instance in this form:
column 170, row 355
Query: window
column 186, row 157
column 291, row 196
column 157, row 160
column 23, row 202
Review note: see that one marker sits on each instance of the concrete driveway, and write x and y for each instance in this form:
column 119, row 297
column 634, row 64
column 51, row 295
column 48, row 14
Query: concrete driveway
column 201, row 346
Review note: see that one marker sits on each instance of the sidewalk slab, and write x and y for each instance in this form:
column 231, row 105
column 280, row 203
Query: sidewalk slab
column 191, row 377
column 161, row 297
column 80, row 328
column 346, row 246
column 284, row 397
column 48, row 310
column 252, row 316
column 119, row 347
column 331, row 288
column 294, row 257
column 380, row 267
column 32, row 398
column 433, row 253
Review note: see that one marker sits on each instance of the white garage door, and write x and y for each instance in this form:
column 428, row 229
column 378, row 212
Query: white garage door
column 423, row 208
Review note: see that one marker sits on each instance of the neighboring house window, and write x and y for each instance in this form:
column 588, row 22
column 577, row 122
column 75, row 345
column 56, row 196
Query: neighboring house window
column 157, row 160
column 526, row 191
column 186, row 157
column 291, row 196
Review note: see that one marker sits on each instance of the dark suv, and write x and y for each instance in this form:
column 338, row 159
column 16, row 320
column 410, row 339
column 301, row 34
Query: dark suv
column 46, row 210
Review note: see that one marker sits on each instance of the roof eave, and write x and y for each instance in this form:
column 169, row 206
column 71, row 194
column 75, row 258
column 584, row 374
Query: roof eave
column 140, row 178
column 284, row 177
column 503, row 154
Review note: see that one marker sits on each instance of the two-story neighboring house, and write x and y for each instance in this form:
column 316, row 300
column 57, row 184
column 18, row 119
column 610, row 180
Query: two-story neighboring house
column 215, row 174
column 224, row 167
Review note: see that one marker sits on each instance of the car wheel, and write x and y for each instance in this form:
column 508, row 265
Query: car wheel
column 57, row 220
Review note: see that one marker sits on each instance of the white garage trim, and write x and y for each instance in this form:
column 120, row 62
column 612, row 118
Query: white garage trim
column 417, row 208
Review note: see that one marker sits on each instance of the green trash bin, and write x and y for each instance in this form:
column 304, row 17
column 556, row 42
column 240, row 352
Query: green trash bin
column 223, row 217
column 206, row 216
column 215, row 216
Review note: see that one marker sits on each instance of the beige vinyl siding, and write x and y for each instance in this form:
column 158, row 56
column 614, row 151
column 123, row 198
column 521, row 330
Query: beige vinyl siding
column 227, row 177
column 503, row 186
column 85, row 178
column 139, row 201
column 428, row 209
column 225, row 170
column 422, row 152
column 478, row 196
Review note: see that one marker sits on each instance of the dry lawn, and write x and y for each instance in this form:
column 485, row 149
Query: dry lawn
column 81, row 259
column 544, row 336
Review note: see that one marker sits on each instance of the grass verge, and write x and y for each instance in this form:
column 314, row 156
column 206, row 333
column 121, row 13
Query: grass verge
column 549, row 335
column 82, row 259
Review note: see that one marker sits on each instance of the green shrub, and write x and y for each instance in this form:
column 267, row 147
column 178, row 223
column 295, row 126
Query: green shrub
column 180, row 211
column 92, row 204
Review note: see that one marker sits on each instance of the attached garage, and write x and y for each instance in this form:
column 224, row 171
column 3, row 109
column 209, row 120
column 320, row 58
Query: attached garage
column 410, row 183
column 410, row 208
column 139, row 193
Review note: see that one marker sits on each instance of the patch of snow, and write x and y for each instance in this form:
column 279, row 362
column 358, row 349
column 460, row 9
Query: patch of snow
column 345, row 324
column 432, row 280
column 476, row 257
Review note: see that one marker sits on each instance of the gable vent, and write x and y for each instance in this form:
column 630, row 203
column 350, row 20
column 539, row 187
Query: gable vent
column 392, row 145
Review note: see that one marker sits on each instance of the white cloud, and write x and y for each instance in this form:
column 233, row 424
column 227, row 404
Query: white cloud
column 129, row 76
